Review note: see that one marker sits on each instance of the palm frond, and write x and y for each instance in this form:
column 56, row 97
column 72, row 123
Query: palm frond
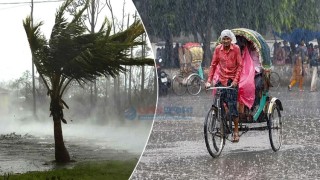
column 72, row 54
column 130, row 34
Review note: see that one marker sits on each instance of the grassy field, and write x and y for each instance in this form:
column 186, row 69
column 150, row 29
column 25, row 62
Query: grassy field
column 103, row 170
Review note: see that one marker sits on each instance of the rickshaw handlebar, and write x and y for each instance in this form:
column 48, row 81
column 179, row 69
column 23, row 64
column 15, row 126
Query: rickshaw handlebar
column 226, row 87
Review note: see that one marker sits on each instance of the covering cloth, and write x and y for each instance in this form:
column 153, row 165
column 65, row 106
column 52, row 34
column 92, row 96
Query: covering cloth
column 246, row 84
column 190, row 57
column 193, row 52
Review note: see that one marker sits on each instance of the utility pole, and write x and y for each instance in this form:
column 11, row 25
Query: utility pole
column 130, row 68
column 93, row 85
column 33, row 81
column 142, row 67
column 125, row 74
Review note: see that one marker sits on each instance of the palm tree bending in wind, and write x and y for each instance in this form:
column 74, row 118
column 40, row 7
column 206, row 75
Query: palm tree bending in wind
column 71, row 54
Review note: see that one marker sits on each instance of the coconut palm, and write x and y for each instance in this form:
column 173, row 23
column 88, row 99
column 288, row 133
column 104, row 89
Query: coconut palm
column 71, row 54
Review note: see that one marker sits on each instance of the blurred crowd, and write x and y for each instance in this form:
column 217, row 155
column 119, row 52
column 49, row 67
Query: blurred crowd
column 283, row 53
column 302, row 57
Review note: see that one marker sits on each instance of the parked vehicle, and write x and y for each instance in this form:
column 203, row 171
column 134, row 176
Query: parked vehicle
column 190, row 77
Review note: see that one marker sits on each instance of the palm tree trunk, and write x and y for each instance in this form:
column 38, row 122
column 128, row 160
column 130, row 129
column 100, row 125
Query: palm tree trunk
column 61, row 152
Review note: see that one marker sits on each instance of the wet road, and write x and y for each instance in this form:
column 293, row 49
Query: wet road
column 176, row 148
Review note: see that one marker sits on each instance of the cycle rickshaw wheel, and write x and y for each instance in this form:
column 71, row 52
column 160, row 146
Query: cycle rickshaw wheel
column 178, row 85
column 214, row 133
column 275, row 128
column 194, row 84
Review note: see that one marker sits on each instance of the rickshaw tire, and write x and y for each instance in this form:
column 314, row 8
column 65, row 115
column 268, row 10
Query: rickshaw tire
column 275, row 109
column 214, row 151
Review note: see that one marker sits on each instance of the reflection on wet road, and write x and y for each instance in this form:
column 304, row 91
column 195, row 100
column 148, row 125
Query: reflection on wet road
column 176, row 148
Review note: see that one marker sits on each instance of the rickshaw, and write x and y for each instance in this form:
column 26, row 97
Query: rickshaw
column 190, row 77
column 265, row 111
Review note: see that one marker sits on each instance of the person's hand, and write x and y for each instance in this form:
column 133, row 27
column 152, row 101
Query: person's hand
column 234, row 84
column 207, row 85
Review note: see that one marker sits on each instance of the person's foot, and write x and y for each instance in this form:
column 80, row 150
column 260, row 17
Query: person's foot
column 289, row 88
column 236, row 137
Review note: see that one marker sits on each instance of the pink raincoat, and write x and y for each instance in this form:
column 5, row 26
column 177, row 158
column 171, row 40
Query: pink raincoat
column 246, row 83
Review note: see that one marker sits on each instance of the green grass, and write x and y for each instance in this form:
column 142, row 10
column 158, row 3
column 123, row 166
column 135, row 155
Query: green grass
column 102, row 170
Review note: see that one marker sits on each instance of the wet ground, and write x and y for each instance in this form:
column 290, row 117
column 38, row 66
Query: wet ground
column 30, row 147
column 176, row 148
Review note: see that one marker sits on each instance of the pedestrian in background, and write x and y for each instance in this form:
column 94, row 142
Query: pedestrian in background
column 176, row 62
column 303, row 50
column 287, row 51
column 297, row 72
column 314, row 67
column 280, row 54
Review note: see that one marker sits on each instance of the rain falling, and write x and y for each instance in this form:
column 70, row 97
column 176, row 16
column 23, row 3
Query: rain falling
column 82, row 102
column 285, row 36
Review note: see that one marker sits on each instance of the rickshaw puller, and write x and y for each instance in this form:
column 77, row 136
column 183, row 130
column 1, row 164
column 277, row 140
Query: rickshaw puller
column 228, row 57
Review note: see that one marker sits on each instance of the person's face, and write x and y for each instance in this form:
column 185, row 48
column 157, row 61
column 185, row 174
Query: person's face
column 226, row 41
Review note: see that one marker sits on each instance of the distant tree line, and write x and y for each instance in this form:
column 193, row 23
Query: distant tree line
column 166, row 19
